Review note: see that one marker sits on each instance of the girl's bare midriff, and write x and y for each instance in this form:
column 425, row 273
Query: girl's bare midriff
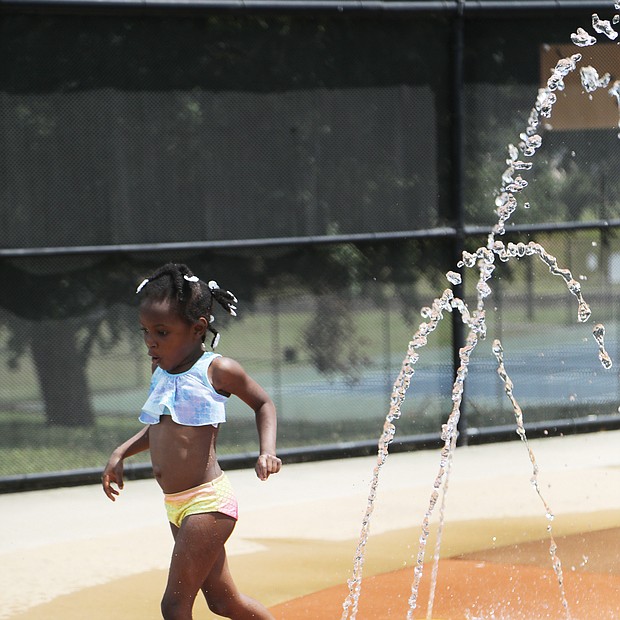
column 183, row 456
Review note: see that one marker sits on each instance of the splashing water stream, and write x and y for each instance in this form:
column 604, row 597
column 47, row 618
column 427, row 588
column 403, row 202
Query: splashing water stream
column 484, row 260
column 498, row 351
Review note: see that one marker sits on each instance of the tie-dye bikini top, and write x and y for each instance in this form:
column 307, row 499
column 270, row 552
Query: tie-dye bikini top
column 188, row 396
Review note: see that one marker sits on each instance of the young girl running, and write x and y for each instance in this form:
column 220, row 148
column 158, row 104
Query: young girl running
column 186, row 403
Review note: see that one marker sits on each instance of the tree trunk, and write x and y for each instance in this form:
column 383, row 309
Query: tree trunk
column 61, row 369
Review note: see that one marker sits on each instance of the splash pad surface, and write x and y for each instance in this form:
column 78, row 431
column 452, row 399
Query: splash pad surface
column 471, row 589
column 70, row 553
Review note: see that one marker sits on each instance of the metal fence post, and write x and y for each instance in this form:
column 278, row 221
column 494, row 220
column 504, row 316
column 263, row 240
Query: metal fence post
column 457, row 139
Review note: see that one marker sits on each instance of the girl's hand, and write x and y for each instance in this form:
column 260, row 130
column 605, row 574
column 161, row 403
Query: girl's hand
column 266, row 465
column 113, row 474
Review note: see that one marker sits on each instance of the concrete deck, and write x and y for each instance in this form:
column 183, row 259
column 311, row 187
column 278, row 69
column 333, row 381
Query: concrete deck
column 71, row 553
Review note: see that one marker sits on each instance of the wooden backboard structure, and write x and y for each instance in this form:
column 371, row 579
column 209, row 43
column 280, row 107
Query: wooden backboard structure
column 575, row 108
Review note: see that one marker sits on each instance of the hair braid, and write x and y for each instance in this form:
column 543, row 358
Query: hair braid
column 193, row 297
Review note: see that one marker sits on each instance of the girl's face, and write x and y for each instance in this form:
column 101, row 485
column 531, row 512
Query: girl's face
column 173, row 344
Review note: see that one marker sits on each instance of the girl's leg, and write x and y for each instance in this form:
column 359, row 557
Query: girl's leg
column 199, row 543
column 224, row 598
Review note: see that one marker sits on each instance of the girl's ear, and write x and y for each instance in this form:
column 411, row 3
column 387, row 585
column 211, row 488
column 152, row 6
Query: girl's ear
column 200, row 328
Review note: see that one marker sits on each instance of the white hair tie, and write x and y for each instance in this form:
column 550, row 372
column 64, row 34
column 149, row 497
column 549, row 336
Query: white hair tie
column 142, row 285
column 192, row 278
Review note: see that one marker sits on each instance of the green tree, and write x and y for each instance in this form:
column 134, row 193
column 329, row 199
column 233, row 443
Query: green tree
column 57, row 318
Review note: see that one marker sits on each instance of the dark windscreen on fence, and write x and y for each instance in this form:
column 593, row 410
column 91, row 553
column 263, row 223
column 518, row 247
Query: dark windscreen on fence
column 162, row 129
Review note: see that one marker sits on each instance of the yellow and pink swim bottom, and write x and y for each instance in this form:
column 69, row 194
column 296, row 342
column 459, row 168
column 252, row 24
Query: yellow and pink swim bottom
column 214, row 496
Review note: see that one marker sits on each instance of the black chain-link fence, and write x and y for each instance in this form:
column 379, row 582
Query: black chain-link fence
column 307, row 162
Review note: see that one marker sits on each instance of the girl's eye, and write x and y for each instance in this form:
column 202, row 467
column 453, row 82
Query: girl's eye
column 159, row 332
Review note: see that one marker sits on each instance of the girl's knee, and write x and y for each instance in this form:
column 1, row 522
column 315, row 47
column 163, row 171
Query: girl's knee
column 173, row 607
column 237, row 606
column 221, row 606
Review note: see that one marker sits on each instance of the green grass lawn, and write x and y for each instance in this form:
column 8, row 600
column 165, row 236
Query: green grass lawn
column 28, row 445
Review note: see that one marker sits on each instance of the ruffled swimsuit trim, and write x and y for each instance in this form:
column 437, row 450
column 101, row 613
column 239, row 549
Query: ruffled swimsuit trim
column 188, row 397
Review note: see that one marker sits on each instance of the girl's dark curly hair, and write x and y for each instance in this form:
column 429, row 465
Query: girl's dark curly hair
column 193, row 297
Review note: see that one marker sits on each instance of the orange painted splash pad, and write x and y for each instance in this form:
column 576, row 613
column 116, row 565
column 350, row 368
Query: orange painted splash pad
column 476, row 589
column 69, row 554
column 469, row 590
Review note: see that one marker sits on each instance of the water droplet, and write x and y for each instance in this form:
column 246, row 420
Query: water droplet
column 549, row 99
column 484, row 290
column 590, row 79
column 530, row 144
column 614, row 91
column 602, row 26
column 454, row 277
column 582, row 38
column 513, row 152
column 522, row 165
column 518, row 185
column 598, row 331
column 583, row 312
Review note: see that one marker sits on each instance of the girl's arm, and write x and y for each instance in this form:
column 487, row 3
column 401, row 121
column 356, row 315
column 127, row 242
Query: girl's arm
column 228, row 376
column 113, row 472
